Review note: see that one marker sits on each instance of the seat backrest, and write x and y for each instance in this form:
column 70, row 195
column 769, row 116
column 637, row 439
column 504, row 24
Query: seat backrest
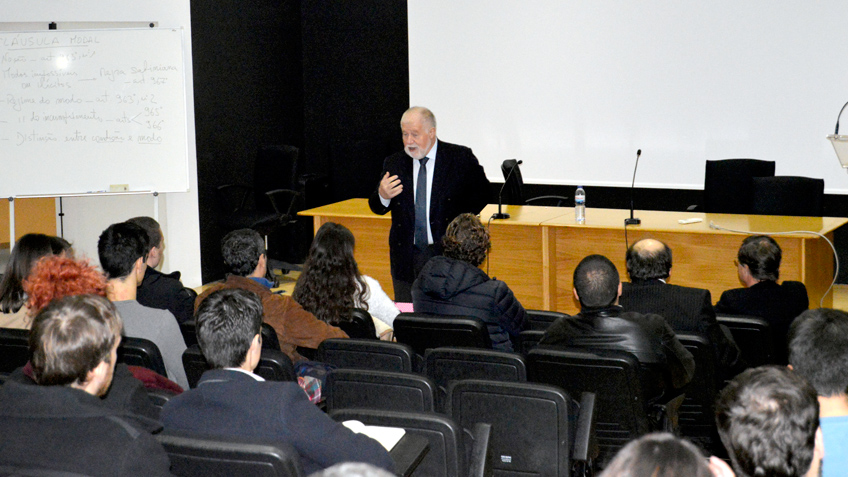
column 14, row 349
column 445, row 457
column 529, row 339
column 370, row 354
column 752, row 335
column 513, row 193
column 276, row 168
column 540, row 320
column 728, row 184
column 531, row 424
column 613, row 376
column 445, row 365
column 197, row 456
column 269, row 335
column 382, row 390
column 422, row 331
column 788, row 195
column 141, row 352
column 361, row 325
column 697, row 419
column 273, row 365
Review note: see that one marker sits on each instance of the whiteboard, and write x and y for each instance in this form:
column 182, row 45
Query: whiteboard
column 82, row 111
column 574, row 88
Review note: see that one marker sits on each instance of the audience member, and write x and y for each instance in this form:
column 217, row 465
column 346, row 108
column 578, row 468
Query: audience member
column 758, row 266
column 122, row 249
column 232, row 401
column 818, row 351
column 28, row 249
column 157, row 289
column 768, row 420
column 603, row 324
column 685, row 309
column 61, row 426
column 244, row 255
column 663, row 455
column 353, row 469
column 454, row 284
column 330, row 283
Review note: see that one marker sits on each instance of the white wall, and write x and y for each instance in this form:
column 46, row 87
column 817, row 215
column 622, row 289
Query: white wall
column 87, row 217
column 574, row 88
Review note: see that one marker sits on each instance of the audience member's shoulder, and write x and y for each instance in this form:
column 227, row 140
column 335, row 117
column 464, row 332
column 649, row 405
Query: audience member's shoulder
column 791, row 285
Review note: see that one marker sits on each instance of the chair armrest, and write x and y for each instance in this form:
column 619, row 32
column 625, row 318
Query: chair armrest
column 585, row 447
column 692, row 208
column 559, row 198
column 284, row 202
column 478, row 457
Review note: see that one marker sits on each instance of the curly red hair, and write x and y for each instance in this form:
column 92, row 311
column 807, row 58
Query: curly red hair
column 55, row 277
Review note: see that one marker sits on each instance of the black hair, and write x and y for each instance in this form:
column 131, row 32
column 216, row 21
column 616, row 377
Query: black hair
column 762, row 255
column 818, row 349
column 645, row 264
column 119, row 247
column 241, row 250
column 596, row 281
column 227, row 321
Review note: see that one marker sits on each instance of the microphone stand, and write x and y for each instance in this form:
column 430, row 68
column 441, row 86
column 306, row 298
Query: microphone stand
column 504, row 215
column 631, row 220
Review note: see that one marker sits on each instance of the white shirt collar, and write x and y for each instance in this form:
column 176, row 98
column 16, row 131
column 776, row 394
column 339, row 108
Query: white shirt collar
column 254, row 376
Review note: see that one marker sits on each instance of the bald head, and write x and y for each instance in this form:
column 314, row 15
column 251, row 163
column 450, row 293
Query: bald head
column 648, row 259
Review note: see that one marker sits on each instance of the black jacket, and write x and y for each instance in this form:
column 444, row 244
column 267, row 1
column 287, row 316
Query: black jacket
column 459, row 185
column 453, row 287
column 687, row 310
column 166, row 292
column 63, row 429
column 648, row 337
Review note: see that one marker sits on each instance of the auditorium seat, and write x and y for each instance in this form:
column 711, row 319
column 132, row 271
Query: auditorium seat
column 141, row 352
column 193, row 456
column 697, row 418
column 541, row 319
column 752, row 335
column 422, row 331
column 273, row 365
column 381, row 390
column 14, row 349
column 728, row 184
column 375, row 355
column 360, row 326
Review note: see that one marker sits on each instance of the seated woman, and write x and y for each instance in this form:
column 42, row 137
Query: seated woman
column 454, row 285
column 330, row 284
column 13, row 310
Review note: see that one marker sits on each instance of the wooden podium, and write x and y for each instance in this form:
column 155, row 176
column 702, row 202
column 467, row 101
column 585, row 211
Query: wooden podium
column 536, row 250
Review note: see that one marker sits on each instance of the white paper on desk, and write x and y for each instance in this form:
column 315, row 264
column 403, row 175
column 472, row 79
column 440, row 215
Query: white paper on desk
column 387, row 436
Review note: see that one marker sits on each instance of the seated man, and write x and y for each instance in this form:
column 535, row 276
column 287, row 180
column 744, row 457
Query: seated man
column 768, row 420
column 244, row 255
column 123, row 249
column 232, row 401
column 686, row 310
column 159, row 290
column 758, row 266
column 60, row 426
column 818, row 351
column 603, row 324
column 455, row 285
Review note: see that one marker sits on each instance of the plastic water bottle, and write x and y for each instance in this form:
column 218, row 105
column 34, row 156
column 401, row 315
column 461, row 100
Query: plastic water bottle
column 580, row 205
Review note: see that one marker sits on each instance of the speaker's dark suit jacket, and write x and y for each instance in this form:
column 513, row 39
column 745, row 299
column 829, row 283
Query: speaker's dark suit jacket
column 686, row 310
column 232, row 403
column 777, row 304
column 459, row 185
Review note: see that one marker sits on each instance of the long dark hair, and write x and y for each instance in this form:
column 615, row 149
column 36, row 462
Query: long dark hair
column 330, row 284
column 27, row 251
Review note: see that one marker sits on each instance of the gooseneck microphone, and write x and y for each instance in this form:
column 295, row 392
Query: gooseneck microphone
column 836, row 133
column 631, row 220
column 504, row 215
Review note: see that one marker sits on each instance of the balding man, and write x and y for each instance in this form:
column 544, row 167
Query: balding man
column 425, row 187
column 687, row 310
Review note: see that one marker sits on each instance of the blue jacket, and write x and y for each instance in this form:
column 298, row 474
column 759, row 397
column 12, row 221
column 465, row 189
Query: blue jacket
column 453, row 287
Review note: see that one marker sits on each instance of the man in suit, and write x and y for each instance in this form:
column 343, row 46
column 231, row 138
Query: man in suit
column 603, row 324
column 686, row 310
column 60, row 426
column 758, row 267
column 230, row 400
column 452, row 182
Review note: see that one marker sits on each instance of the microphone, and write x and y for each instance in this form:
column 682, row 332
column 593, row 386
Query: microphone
column 631, row 220
column 836, row 133
column 504, row 215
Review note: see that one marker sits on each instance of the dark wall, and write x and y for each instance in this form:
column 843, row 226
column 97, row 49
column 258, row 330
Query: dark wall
column 328, row 77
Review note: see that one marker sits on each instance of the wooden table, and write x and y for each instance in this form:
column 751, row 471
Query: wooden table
column 536, row 250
